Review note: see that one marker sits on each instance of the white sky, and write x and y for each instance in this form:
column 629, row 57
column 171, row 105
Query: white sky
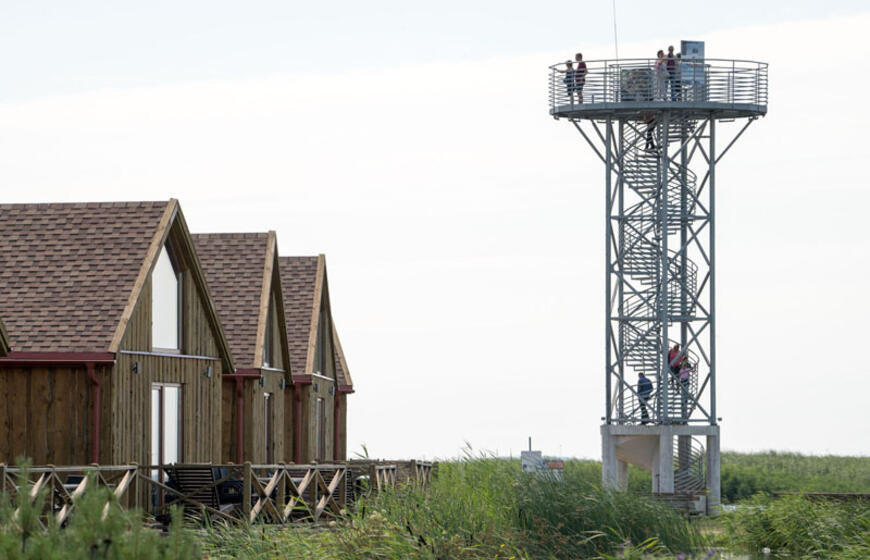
column 463, row 227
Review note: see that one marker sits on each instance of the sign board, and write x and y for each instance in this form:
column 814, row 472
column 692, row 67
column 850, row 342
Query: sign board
column 531, row 461
column 692, row 69
column 692, row 57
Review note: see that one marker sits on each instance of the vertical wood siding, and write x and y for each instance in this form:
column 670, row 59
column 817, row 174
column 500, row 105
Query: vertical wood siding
column 46, row 415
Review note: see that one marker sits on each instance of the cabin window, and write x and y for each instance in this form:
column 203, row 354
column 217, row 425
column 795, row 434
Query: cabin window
column 320, row 429
column 268, row 428
column 165, row 303
column 165, row 424
column 268, row 342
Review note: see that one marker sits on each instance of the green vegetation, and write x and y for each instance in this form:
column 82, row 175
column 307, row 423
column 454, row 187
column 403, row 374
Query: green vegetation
column 119, row 536
column 483, row 507
column 801, row 527
column 747, row 474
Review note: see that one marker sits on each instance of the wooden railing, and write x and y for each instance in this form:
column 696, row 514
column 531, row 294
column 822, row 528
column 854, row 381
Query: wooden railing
column 232, row 493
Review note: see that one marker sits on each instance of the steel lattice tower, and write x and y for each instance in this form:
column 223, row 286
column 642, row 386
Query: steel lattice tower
column 656, row 133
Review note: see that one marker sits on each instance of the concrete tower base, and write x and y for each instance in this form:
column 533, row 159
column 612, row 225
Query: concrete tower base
column 652, row 449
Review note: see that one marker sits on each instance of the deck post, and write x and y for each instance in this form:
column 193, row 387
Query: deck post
column 246, row 491
column 281, row 491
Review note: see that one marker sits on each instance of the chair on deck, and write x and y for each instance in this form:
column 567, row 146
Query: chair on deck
column 204, row 485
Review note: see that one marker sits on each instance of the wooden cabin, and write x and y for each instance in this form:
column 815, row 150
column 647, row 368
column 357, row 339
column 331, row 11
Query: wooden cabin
column 242, row 273
column 117, row 353
column 320, row 391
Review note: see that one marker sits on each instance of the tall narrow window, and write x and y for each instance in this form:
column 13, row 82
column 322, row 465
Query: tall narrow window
column 267, row 426
column 165, row 424
column 320, row 427
column 165, row 304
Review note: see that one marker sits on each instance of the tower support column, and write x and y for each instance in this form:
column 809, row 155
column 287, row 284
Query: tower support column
column 714, row 482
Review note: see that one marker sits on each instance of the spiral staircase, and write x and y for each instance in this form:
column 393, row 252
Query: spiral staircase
column 642, row 303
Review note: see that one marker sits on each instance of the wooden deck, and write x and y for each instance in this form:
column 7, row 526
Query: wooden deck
column 276, row 494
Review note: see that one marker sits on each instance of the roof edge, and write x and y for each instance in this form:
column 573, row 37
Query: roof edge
column 339, row 351
column 315, row 313
column 157, row 241
column 202, row 284
column 265, row 292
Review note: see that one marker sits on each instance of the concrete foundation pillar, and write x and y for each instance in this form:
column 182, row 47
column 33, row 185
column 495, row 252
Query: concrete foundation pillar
column 663, row 463
column 621, row 475
column 714, row 482
column 609, row 463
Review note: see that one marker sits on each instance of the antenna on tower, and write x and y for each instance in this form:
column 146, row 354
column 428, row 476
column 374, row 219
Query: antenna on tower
column 615, row 37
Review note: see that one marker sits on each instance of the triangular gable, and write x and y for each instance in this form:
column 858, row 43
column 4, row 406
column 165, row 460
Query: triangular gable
column 242, row 272
column 67, row 270
column 306, row 290
column 172, row 224
column 345, row 382
column 4, row 340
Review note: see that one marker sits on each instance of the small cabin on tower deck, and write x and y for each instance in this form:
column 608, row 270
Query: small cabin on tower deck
column 242, row 273
column 319, row 392
column 117, row 350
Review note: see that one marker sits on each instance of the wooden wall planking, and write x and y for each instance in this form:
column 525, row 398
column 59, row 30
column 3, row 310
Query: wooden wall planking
column 46, row 415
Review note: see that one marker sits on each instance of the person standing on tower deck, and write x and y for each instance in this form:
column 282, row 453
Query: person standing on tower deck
column 675, row 360
column 580, row 75
column 661, row 73
column 644, row 391
column 679, row 72
column 570, row 80
column 685, row 371
column 672, row 73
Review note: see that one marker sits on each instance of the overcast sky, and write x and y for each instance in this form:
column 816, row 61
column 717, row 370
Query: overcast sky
column 463, row 227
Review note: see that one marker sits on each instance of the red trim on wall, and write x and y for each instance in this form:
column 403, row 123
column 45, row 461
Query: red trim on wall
column 29, row 359
column 303, row 379
column 347, row 389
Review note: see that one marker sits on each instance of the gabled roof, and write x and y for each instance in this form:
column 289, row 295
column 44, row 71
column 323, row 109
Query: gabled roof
column 4, row 340
column 67, row 270
column 304, row 283
column 72, row 273
column 240, row 268
column 299, row 280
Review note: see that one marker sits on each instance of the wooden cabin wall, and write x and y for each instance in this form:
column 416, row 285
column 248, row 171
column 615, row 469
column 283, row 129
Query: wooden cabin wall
column 197, row 336
column 254, row 418
column 131, row 406
column 319, row 388
column 341, row 444
column 47, row 415
column 229, row 441
column 289, row 431
column 278, row 339
column 129, row 418
column 255, row 430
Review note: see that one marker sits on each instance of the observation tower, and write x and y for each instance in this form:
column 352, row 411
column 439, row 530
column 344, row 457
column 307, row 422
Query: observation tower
column 657, row 132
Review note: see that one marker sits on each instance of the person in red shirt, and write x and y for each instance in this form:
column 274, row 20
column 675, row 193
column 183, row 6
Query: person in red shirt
column 673, row 361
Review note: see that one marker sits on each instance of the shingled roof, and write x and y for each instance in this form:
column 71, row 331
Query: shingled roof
column 299, row 282
column 72, row 273
column 67, row 270
column 302, row 280
column 239, row 268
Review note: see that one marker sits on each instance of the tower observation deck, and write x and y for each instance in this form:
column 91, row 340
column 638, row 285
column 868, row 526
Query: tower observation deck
column 656, row 131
